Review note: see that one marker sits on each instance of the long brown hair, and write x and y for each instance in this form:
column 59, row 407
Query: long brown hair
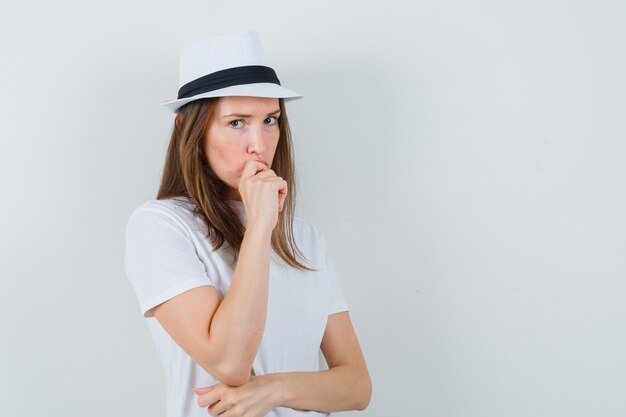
column 187, row 173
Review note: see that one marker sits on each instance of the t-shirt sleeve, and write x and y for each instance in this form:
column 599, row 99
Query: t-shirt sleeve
column 160, row 259
column 337, row 300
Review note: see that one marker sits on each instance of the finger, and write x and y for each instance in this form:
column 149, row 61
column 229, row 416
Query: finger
column 281, row 188
column 269, row 178
column 282, row 195
column 211, row 397
column 230, row 413
column 203, row 390
column 218, row 408
column 252, row 167
column 268, row 173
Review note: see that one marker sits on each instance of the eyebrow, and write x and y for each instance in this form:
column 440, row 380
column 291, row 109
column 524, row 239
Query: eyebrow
column 248, row 115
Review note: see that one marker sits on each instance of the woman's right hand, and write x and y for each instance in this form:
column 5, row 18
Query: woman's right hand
column 263, row 194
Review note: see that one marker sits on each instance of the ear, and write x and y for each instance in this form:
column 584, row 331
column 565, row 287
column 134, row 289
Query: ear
column 179, row 119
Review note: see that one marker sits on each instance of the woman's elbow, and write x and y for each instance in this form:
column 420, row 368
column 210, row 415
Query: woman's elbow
column 365, row 392
column 234, row 376
column 227, row 369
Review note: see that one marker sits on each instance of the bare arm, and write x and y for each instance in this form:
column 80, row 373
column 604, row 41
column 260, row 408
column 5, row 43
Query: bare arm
column 346, row 385
column 237, row 326
column 223, row 337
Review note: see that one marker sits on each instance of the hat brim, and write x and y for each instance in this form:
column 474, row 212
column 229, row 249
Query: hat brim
column 252, row 90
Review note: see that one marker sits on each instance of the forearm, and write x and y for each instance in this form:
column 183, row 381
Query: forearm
column 341, row 388
column 237, row 326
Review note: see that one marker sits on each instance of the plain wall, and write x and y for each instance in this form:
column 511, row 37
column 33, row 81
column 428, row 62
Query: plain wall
column 465, row 161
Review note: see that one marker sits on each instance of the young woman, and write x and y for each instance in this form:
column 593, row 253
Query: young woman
column 240, row 294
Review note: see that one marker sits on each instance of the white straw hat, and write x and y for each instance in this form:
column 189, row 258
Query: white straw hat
column 228, row 64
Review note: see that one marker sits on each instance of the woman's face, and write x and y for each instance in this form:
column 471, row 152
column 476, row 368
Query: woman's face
column 241, row 128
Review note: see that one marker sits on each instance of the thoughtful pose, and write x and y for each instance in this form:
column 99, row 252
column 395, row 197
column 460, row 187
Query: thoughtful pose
column 240, row 295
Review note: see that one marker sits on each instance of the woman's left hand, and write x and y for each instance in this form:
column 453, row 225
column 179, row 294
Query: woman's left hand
column 253, row 399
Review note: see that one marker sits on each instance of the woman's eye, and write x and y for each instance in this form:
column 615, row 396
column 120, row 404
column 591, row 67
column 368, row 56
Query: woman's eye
column 272, row 117
column 236, row 121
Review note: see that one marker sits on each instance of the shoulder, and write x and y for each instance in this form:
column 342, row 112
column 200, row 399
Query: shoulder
column 307, row 233
column 172, row 206
column 176, row 211
column 303, row 227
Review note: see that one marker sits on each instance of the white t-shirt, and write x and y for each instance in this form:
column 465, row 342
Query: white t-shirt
column 167, row 253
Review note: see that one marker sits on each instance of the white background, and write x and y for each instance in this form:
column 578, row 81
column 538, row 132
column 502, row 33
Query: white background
column 464, row 159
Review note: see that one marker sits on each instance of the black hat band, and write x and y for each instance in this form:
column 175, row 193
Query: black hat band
column 228, row 77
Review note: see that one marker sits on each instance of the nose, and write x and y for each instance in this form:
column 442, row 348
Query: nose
column 257, row 139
